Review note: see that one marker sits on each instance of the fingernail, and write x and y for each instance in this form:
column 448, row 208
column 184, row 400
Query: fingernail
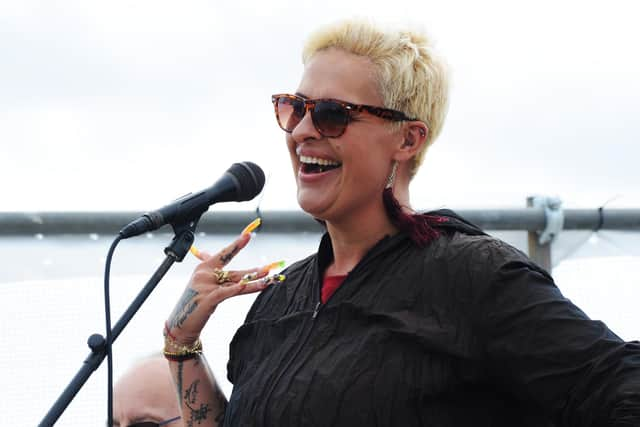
column 194, row 251
column 269, row 267
column 252, row 226
column 276, row 278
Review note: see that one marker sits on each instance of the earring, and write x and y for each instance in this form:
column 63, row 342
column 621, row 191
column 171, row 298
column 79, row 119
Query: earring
column 392, row 176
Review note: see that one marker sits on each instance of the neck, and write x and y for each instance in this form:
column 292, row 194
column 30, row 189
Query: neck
column 401, row 191
column 352, row 237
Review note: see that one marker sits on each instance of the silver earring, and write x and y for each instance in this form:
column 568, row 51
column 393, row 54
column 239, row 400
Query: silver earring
column 392, row 176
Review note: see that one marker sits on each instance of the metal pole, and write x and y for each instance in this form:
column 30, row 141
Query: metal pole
column 528, row 219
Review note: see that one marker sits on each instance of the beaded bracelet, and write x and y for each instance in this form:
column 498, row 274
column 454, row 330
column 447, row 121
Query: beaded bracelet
column 182, row 352
column 183, row 349
column 175, row 357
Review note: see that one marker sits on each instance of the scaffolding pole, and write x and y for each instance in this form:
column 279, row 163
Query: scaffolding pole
column 229, row 222
column 535, row 219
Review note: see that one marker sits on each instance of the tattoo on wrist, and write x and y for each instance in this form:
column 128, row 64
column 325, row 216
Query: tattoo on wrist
column 183, row 309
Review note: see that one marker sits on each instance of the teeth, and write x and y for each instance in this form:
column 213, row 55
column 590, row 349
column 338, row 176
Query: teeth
column 318, row 161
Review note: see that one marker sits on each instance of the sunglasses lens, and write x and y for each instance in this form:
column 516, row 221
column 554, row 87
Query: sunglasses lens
column 290, row 112
column 330, row 118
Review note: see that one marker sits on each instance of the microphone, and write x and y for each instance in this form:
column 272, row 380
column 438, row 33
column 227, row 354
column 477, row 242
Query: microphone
column 241, row 182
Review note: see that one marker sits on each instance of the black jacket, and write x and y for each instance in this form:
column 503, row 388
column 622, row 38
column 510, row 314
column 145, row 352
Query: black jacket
column 465, row 332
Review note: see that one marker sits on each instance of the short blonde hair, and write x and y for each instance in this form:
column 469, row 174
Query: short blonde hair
column 412, row 78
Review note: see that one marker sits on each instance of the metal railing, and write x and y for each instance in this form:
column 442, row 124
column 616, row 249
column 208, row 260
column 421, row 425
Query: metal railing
column 541, row 220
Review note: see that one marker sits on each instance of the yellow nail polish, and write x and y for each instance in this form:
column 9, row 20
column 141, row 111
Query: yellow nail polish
column 252, row 226
column 279, row 278
column 276, row 278
column 194, row 251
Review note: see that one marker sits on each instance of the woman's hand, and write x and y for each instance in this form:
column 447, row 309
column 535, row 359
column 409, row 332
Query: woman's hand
column 210, row 285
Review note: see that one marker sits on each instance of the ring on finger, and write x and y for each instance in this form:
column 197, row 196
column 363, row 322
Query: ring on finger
column 249, row 277
column 222, row 276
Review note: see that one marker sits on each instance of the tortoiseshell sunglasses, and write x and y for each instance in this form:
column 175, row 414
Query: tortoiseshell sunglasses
column 330, row 117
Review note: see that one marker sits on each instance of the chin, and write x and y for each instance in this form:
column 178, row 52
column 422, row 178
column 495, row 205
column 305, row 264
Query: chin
column 315, row 208
column 311, row 209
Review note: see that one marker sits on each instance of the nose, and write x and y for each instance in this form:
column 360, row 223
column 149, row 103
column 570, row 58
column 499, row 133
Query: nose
column 305, row 130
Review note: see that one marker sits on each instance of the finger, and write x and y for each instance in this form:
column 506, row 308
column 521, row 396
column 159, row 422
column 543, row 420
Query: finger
column 252, row 275
column 241, row 288
column 229, row 277
column 225, row 256
column 262, row 283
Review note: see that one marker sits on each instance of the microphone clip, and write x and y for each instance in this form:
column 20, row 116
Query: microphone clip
column 183, row 239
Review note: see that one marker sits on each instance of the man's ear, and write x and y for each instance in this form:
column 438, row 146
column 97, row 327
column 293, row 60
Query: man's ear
column 415, row 136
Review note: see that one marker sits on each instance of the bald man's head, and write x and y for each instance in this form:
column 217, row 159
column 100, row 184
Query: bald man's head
column 146, row 393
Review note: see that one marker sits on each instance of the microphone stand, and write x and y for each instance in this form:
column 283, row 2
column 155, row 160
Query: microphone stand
column 175, row 252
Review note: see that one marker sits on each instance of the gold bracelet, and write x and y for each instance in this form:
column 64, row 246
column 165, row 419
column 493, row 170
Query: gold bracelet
column 183, row 352
column 175, row 357
column 170, row 341
column 171, row 345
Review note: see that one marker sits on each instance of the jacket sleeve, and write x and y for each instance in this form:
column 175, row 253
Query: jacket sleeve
column 542, row 348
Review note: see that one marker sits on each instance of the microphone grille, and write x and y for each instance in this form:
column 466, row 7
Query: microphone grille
column 251, row 179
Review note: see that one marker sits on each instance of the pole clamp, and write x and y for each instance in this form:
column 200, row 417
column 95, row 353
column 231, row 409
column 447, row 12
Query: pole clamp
column 554, row 217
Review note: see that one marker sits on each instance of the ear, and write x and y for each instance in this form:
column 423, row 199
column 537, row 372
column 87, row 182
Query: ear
column 415, row 136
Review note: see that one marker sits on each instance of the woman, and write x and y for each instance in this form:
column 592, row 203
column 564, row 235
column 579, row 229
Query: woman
column 399, row 318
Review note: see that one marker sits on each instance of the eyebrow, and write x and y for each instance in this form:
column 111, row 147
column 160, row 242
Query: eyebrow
column 302, row 95
column 145, row 419
column 140, row 419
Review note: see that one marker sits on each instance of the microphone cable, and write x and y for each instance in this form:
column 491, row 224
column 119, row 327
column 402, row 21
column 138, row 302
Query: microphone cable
column 109, row 338
column 242, row 181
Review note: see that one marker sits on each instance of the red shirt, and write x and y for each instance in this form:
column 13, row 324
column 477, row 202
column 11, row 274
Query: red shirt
column 329, row 286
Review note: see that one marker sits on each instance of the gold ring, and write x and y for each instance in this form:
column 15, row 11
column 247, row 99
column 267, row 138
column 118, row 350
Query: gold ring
column 222, row 276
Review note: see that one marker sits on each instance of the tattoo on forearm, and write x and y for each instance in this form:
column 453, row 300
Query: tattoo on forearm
column 197, row 414
column 195, row 411
column 191, row 393
column 225, row 258
column 183, row 309
column 179, row 382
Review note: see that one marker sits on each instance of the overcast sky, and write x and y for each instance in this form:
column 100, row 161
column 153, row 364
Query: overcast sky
column 126, row 105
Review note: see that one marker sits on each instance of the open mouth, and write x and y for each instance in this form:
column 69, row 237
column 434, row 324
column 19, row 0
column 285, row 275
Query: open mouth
column 313, row 165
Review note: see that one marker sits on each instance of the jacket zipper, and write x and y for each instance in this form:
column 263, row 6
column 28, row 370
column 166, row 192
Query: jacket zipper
column 319, row 305
column 316, row 310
